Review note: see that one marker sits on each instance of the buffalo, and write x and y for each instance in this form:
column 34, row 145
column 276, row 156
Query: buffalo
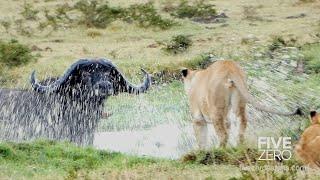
column 64, row 108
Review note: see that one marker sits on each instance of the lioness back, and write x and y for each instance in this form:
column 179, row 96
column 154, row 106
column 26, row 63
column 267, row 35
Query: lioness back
column 212, row 80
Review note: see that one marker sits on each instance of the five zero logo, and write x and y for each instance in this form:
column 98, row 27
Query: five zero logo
column 272, row 148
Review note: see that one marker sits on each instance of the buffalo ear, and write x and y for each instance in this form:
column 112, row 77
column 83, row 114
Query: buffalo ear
column 184, row 72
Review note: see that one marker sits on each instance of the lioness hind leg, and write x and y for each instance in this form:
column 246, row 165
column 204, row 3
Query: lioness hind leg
column 201, row 130
column 219, row 121
column 241, row 113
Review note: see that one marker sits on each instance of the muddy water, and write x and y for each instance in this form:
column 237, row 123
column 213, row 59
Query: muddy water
column 164, row 141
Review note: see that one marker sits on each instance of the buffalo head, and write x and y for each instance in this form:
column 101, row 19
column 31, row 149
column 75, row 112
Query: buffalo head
column 90, row 78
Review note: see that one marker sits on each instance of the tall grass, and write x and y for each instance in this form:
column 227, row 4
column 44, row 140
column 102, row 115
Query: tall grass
column 312, row 58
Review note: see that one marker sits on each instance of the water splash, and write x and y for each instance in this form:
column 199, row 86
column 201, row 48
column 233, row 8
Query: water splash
column 158, row 123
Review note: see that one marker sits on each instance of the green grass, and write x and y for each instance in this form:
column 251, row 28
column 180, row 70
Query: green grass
column 162, row 104
column 60, row 160
column 230, row 156
column 53, row 160
column 312, row 58
column 64, row 159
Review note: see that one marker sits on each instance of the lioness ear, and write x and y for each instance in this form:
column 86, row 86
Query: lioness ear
column 184, row 72
column 314, row 116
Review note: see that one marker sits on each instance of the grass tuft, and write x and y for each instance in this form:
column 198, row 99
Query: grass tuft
column 279, row 42
column 13, row 54
column 145, row 15
column 178, row 44
column 94, row 33
column 234, row 156
column 200, row 9
column 29, row 13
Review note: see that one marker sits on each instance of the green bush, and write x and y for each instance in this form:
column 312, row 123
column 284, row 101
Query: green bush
column 178, row 44
column 279, row 41
column 14, row 54
column 200, row 10
column 146, row 16
column 95, row 15
column 100, row 15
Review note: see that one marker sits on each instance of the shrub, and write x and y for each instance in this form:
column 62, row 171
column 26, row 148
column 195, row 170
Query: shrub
column 106, row 15
column 278, row 42
column 199, row 9
column 94, row 15
column 99, row 16
column 29, row 13
column 146, row 16
column 14, row 54
column 178, row 44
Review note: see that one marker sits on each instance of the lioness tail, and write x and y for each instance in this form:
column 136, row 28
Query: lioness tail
column 240, row 85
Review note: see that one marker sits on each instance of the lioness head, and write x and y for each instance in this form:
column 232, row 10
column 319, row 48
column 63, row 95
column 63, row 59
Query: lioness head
column 314, row 117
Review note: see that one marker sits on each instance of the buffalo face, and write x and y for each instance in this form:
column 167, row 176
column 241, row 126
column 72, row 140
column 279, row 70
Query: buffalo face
column 90, row 78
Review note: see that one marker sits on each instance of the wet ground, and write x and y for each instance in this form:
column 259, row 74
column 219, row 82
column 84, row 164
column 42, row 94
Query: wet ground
column 164, row 141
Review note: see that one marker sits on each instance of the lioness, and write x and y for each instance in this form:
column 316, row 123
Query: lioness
column 213, row 92
column 308, row 147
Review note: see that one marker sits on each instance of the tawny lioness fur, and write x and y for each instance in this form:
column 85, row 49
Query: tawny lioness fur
column 213, row 92
column 308, row 147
